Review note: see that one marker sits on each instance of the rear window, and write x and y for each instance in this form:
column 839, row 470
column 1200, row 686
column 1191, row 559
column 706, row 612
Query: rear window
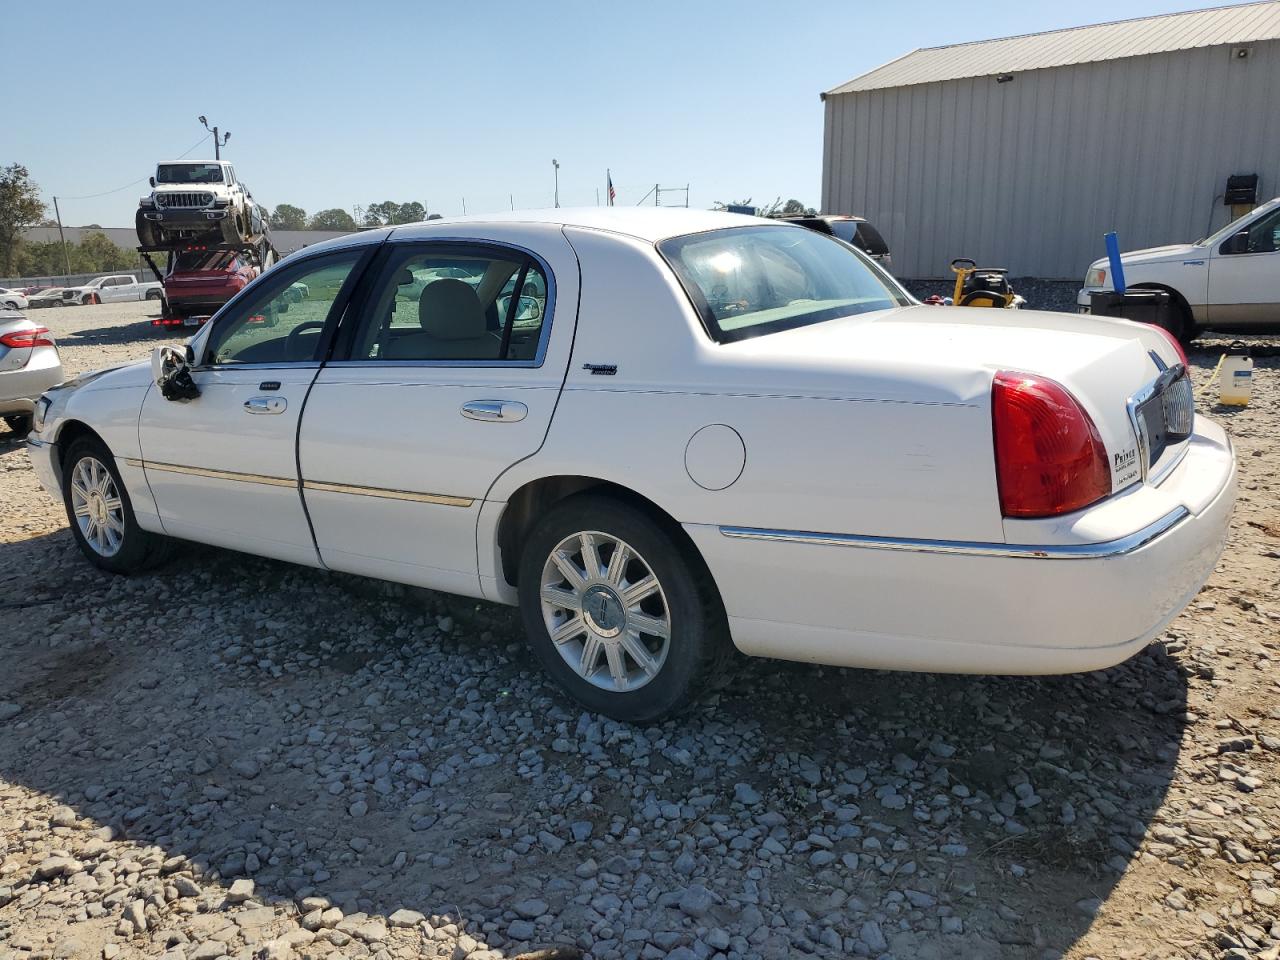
column 189, row 260
column 750, row 281
column 862, row 235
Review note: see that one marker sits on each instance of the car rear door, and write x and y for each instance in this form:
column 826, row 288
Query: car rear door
column 1244, row 275
column 223, row 466
column 442, row 384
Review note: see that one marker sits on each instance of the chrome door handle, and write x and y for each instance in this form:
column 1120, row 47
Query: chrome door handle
column 503, row 411
column 265, row 405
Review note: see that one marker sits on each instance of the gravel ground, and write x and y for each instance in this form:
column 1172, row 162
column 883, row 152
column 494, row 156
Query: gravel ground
column 235, row 757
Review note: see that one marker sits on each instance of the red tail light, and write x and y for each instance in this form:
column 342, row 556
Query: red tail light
column 1177, row 347
column 39, row 337
column 1049, row 457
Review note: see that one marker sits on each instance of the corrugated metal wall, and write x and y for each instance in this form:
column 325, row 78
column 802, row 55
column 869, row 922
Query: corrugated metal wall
column 1030, row 174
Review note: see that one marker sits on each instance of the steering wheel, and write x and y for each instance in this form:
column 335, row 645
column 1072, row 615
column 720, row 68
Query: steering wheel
column 290, row 343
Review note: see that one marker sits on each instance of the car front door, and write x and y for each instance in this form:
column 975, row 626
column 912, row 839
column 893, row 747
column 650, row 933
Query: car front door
column 1244, row 275
column 223, row 467
column 450, row 376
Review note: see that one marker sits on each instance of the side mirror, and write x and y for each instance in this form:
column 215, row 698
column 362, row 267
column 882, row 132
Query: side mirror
column 528, row 308
column 171, row 371
column 1238, row 243
column 152, row 181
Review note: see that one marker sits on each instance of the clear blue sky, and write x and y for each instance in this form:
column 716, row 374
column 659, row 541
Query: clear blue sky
column 339, row 103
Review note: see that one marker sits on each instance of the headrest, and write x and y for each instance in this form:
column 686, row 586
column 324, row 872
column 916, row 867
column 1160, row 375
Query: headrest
column 449, row 309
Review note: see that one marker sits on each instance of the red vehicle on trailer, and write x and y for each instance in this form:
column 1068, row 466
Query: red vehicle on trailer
column 201, row 277
column 202, row 280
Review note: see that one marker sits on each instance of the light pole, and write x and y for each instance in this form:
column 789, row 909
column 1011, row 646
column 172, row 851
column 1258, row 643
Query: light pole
column 66, row 258
column 218, row 143
column 555, row 165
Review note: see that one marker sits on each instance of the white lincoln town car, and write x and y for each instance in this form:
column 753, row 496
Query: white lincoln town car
column 663, row 434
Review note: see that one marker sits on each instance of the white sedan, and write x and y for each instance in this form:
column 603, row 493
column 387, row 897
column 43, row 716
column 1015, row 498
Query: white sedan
column 12, row 299
column 662, row 433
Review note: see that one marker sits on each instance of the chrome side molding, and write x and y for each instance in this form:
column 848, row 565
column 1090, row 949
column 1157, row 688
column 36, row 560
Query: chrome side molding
column 1065, row 551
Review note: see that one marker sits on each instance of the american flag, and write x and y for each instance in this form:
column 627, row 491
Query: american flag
column 613, row 194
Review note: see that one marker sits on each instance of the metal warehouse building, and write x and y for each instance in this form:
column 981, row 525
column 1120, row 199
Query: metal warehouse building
column 1023, row 152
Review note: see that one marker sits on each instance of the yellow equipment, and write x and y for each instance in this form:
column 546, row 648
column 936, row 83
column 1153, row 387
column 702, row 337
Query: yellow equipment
column 982, row 286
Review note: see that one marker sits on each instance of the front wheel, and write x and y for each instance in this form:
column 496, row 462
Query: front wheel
column 19, row 423
column 11, row 304
column 617, row 613
column 100, row 513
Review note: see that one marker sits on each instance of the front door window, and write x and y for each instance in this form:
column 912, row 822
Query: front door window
column 285, row 318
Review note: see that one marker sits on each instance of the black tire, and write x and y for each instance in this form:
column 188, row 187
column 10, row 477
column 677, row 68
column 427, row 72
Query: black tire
column 146, row 231
column 138, row 549
column 232, row 228
column 155, row 295
column 698, row 634
column 19, row 423
column 11, row 304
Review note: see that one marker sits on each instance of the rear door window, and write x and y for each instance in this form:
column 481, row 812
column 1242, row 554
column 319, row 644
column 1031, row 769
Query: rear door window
column 454, row 302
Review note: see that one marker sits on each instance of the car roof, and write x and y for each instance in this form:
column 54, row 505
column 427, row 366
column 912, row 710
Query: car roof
column 221, row 163
column 644, row 223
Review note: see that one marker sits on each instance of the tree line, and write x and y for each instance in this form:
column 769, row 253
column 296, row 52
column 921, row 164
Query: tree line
column 387, row 213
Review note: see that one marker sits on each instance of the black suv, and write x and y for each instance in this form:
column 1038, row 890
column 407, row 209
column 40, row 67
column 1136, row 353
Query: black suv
column 854, row 230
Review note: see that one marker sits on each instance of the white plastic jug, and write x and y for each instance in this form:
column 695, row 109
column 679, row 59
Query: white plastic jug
column 1235, row 379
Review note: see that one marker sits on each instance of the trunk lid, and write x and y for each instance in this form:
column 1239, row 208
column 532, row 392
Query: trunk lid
column 950, row 355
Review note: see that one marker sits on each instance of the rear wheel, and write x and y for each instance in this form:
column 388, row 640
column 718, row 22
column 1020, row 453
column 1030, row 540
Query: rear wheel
column 100, row 513
column 618, row 614
column 11, row 304
column 154, row 295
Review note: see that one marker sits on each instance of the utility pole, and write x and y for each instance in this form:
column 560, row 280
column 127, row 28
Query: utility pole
column 218, row 142
column 66, row 258
column 555, row 165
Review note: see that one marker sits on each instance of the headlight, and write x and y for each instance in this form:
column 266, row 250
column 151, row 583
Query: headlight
column 38, row 415
column 1096, row 277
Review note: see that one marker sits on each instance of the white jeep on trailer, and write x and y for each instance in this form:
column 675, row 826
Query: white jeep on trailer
column 197, row 199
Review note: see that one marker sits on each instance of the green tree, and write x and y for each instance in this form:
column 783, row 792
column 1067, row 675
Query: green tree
column 388, row 212
column 99, row 253
column 95, row 254
column 39, row 259
column 411, row 212
column 288, row 217
column 20, row 208
column 381, row 214
column 796, row 208
column 332, row 219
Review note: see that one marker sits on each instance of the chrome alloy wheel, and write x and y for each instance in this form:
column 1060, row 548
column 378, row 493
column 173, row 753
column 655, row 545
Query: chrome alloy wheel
column 98, row 508
column 605, row 611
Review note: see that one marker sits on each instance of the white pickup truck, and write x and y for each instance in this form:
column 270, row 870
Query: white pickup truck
column 111, row 289
column 1228, row 281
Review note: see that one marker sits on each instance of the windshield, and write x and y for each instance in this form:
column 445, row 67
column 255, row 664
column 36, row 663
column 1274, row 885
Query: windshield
column 1236, row 225
column 750, row 281
column 188, row 173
